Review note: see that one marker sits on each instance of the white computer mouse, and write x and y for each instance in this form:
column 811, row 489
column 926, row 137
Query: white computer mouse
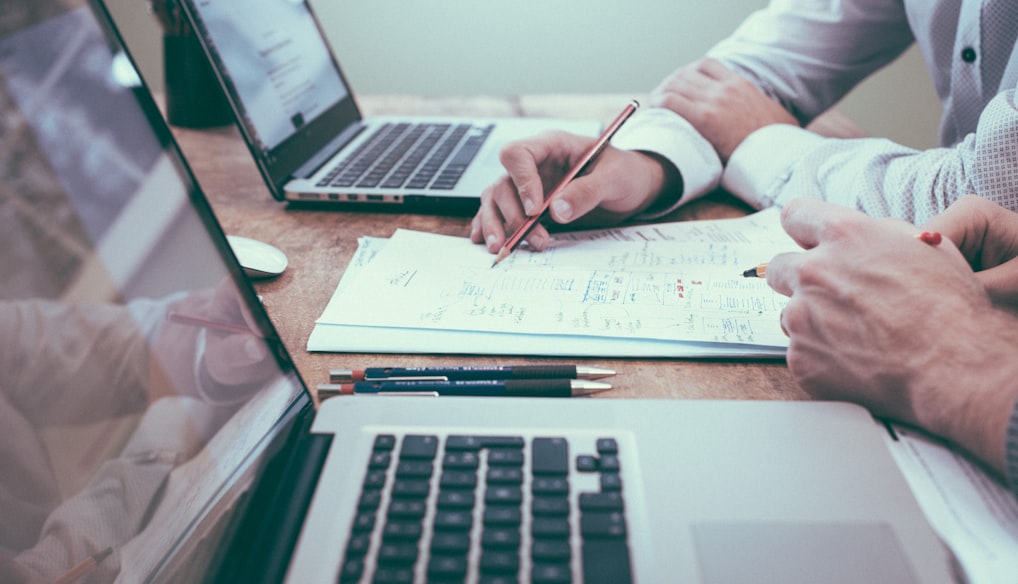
column 259, row 259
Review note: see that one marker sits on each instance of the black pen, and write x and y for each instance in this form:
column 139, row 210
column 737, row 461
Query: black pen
column 468, row 373
column 485, row 387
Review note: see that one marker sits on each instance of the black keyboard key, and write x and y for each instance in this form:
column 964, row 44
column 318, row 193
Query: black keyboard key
column 370, row 500
column 502, row 515
column 456, row 499
column 609, row 524
column 607, row 446
column 379, row 460
column 505, row 475
column 374, row 479
column 358, row 545
column 457, row 479
column 606, row 561
column 503, row 495
column 410, row 489
column 453, row 520
column 493, row 537
column 461, row 460
column 419, row 447
column 552, row 550
column 555, row 506
column 611, row 501
column 505, row 457
column 550, row 456
column 551, row 574
column 549, row 527
column 401, row 531
column 397, row 554
column 446, row 567
column 394, row 576
column 407, row 509
column 458, row 442
column 414, row 469
column 450, row 543
column 385, row 443
column 609, row 463
column 586, row 463
column 498, row 579
column 351, row 570
column 550, row 486
column 363, row 522
column 611, row 482
column 499, row 561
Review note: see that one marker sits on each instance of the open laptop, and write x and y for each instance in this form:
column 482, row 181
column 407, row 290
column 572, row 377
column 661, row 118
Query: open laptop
column 300, row 119
column 155, row 429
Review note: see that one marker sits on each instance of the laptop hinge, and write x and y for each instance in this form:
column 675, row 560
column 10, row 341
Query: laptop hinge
column 275, row 511
column 326, row 153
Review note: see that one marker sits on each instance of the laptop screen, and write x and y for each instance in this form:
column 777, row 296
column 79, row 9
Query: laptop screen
column 141, row 377
column 276, row 61
column 287, row 92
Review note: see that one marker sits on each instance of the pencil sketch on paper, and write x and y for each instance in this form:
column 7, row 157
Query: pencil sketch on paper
column 673, row 290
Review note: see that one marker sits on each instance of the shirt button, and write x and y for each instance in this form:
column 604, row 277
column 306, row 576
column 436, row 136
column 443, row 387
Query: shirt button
column 968, row 54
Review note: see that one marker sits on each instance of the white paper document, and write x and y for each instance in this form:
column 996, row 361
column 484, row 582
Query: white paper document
column 974, row 514
column 661, row 290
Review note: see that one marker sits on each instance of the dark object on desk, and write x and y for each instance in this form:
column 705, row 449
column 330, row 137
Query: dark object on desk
column 469, row 372
column 479, row 388
column 194, row 98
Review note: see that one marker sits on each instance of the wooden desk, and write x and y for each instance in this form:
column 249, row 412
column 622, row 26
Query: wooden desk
column 320, row 243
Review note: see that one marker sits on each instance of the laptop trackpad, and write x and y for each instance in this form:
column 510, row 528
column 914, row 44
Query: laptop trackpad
column 792, row 553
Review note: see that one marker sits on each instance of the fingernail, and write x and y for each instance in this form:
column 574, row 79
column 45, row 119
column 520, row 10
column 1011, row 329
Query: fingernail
column 491, row 240
column 563, row 210
column 528, row 206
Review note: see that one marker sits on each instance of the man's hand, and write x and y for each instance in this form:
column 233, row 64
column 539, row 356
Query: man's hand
column 905, row 328
column 722, row 105
column 618, row 185
column 987, row 234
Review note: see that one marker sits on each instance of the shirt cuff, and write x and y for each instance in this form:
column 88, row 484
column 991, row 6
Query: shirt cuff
column 664, row 133
column 762, row 163
column 1011, row 451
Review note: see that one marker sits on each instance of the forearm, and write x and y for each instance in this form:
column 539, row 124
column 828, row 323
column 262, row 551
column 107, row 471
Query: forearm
column 673, row 142
column 809, row 57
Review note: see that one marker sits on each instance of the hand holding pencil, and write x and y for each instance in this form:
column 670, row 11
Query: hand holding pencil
column 620, row 184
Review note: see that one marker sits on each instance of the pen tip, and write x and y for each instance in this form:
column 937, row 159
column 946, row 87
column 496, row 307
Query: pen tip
column 502, row 254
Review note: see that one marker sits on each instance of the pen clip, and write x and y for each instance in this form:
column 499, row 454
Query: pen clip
column 408, row 378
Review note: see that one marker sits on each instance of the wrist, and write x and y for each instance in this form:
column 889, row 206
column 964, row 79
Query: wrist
column 969, row 396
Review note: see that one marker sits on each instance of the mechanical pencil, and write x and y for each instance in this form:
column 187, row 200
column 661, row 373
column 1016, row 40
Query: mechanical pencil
column 487, row 387
column 468, row 373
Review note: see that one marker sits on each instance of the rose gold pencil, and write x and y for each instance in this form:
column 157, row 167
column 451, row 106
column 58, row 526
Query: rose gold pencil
column 588, row 157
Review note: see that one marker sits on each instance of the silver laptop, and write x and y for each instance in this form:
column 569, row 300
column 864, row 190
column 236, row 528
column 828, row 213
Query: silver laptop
column 155, row 429
column 300, row 118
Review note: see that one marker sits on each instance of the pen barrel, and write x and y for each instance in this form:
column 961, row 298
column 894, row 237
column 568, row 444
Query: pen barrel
column 490, row 387
column 472, row 373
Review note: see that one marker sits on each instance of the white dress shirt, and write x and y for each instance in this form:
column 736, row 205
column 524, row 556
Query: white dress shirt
column 808, row 54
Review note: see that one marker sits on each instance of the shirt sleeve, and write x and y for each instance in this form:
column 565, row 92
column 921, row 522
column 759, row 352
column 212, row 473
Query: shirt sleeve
column 1011, row 451
column 663, row 132
column 778, row 163
column 808, row 55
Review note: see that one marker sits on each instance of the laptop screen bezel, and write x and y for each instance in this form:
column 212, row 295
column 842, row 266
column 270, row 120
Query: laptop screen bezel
column 279, row 165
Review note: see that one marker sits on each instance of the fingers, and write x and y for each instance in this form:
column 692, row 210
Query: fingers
column 782, row 275
column 618, row 182
column 808, row 221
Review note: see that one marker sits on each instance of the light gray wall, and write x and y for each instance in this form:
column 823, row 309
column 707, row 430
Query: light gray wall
column 505, row 47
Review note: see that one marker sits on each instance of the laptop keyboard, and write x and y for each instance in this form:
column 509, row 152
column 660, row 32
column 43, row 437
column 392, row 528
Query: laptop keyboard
column 412, row 156
column 497, row 508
